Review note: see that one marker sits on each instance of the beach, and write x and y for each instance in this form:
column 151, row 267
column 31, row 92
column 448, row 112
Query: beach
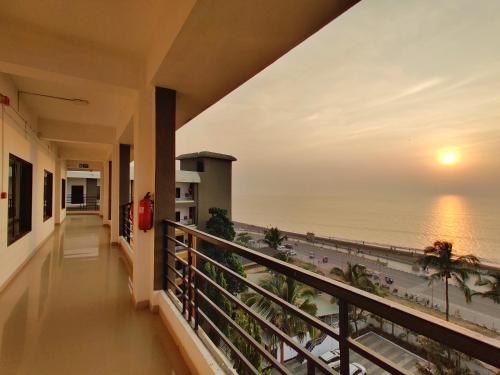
column 396, row 263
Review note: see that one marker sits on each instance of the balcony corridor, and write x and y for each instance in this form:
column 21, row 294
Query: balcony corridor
column 69, row 312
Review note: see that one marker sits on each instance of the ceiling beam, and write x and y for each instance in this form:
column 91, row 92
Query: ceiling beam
column 39, row 55
column 63, row 131
column 76, row 153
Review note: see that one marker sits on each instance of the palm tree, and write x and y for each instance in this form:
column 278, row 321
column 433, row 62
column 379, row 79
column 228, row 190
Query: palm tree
column 493, row 291
column 440, row 256
column 273, row 237
column 355, row 275
column 292, row 292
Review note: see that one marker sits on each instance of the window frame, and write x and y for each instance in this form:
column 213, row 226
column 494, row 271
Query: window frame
column 48, row 195
column 63, row 193
column 20, row 173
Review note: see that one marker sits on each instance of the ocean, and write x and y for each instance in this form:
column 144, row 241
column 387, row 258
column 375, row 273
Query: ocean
column 471, row 223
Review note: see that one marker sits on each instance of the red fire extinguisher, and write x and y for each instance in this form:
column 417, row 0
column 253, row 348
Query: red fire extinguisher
column 146, row 213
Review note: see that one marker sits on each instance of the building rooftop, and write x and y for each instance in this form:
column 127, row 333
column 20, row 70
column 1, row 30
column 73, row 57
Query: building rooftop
column 206, row 154
column 187, row 176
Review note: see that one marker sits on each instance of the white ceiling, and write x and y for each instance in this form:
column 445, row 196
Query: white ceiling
column 123, row 26
column 105, row 108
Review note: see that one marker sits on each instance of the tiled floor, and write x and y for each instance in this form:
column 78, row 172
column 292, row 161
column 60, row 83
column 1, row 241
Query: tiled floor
column 69, row 312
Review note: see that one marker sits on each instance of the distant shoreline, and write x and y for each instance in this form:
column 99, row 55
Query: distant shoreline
column 402, row 254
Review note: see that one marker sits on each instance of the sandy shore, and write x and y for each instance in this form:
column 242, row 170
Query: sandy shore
column 401, row 254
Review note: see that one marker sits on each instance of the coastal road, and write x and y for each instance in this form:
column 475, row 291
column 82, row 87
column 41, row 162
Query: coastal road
column 481, row 310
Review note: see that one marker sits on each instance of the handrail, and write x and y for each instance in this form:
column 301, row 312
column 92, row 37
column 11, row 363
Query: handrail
column 127, row 227
column 464, row 340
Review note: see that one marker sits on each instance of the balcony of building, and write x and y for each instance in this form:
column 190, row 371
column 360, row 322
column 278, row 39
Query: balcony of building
column 99, row 293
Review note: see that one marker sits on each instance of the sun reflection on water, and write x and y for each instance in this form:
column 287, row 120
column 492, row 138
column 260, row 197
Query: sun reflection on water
column 451, row 221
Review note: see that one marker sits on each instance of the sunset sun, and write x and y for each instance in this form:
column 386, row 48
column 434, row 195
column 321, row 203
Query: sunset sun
column 448, row 158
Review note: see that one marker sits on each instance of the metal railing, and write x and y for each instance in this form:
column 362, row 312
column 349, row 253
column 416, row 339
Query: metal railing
column 86, row 203
column 126, row 224
column 186, row 198
column 187, row 287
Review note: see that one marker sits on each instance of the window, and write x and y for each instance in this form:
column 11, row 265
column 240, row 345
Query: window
column 63, row 193
column 200, row 166
column 177, row 216
column 177, row 192
column 20, row 198
column 47, row 195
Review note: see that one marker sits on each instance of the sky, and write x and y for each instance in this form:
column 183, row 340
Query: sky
column 369, row 103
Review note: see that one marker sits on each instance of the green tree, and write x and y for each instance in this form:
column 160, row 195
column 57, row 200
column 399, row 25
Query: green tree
column 220, row 300
column 448, row 266
column 243, row 239
column 273, row 237
column 356, row 276
column 442, row 361
column 493, row 283
column 249, row 352
column 220, row 226
column 292, row 292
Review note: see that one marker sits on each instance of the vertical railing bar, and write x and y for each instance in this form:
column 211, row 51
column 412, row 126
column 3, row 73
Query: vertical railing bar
column 190, row 276
column 195, row 292
column 343, row 336
column 311, row 368
column 184, row 290
column 166, row 260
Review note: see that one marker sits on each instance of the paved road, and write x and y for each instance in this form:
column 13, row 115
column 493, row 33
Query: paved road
column 480, row 310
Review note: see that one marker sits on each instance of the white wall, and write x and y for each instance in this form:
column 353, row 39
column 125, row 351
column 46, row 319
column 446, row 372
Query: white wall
column 16, row 141
column 184, row 186
column 59, row 212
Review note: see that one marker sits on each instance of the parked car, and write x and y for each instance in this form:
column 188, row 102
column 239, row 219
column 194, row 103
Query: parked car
column 325, row 259
column 291, row 253
column 354, row 368
column 288, row 246
column 331, row 358
column 389, row 280
column 311, row 255
column 281, row 247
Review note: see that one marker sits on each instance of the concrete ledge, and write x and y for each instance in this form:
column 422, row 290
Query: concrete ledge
column 128, row 252
column 197, row 357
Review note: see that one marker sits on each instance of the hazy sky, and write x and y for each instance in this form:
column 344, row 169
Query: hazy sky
column 367, row 104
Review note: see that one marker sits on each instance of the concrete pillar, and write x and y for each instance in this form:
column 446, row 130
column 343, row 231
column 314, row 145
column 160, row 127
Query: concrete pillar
column 60, row 173
column 154, row 172
column 164, row 179
column 144, row 151
column 115, row 193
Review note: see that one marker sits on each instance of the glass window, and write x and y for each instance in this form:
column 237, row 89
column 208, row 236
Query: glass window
column 63, row 193
column 47, row 195
column 20, row 198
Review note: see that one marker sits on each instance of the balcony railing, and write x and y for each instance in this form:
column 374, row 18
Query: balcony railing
column 186, row 221
column 82, row 203
column 186, row 198
column 127, row 228
column 187, row 286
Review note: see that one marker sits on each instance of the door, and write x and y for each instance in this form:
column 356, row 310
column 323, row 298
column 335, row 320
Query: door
column 77, row 194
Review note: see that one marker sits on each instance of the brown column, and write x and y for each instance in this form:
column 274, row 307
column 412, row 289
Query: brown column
column 164, row 176
column 110, row 179
column 124, row 180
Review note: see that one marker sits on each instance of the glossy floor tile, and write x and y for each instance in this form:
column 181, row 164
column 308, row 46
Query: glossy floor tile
column 69, row 312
